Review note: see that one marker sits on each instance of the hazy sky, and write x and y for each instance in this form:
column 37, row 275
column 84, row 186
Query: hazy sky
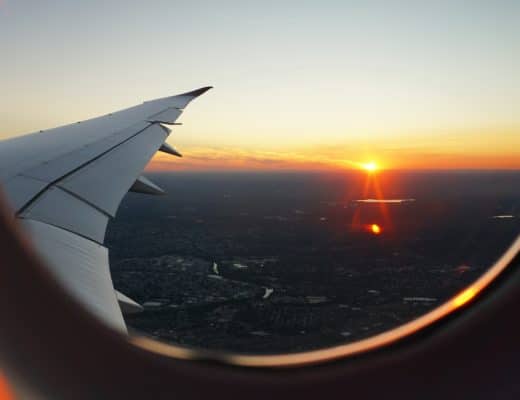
column 297, row 83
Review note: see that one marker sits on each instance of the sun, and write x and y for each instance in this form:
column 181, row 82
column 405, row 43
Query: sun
column 370, row 166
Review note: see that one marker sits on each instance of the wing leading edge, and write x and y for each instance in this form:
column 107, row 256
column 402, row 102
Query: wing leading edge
column 64, row 184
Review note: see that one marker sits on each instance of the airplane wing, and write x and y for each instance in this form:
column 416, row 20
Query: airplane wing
column 64, row 185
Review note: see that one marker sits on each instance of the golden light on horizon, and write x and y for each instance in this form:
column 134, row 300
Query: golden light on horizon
column 324, row 159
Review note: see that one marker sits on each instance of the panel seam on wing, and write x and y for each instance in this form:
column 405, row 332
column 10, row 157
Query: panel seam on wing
column 80, row 198
column 21, row 217
column 56, row 181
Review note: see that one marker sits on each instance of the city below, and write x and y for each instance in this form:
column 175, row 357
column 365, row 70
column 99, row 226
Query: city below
column 287, row 262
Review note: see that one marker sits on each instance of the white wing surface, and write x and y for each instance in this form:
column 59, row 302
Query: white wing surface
column 65, row 183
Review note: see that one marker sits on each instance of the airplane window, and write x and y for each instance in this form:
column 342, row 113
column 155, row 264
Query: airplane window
column 355, row 169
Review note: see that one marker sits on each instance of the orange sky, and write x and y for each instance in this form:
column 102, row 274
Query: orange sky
column 333, row 158
column 336, row 146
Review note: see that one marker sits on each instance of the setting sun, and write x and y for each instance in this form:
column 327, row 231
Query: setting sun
column 370, row 166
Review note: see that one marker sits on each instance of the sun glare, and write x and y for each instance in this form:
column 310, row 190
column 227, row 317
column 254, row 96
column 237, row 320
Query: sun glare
column 464, row 297
column 370, row 166
column 375, row 229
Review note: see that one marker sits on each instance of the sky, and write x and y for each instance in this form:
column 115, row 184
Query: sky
column 297, row 84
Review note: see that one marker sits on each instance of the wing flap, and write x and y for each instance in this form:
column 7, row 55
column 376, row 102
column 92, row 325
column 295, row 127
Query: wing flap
column 81, row 266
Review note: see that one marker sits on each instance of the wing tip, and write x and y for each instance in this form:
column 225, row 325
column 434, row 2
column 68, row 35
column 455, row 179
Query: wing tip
column 197, row 92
